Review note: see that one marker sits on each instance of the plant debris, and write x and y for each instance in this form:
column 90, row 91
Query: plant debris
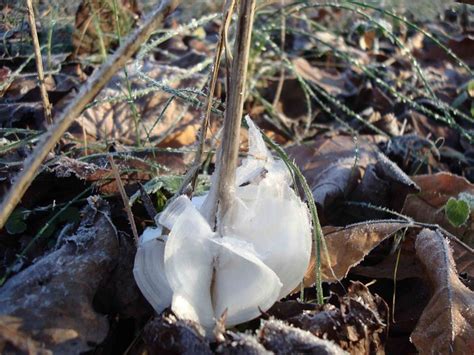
column 372, row 107
column 53, row 297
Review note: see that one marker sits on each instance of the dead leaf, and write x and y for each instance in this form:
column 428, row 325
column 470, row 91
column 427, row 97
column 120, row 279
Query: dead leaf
column 366, row 41
column 19, row 113
column 340, row 168
column 241, row 343
column 428, row 205
column 462, row 45
column 348, row 246
column 334, row 83
column 412, row 152
column 172, row 123
column 463, row 255
column 357, row 321
column 21, row 104
column 446, row 325
column 11, row 336
column 53, row 298
column 383, row 261
column 406, row 266
column 425, row 126
column 289, row 308
column 168, row 335
column 282, row 338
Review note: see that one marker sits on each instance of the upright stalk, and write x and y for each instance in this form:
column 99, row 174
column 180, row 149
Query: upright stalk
column 39, row 62
column 229, row 151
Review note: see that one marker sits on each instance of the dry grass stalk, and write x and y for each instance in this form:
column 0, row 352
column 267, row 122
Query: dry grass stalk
column 39, row 63
column 126, row 201
column 87, row 93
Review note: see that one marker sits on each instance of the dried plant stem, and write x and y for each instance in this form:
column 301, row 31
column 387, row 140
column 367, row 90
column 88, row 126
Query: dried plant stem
column 281, row 80
column 87, row 93
column 192, row 174
column 228, row 154
column 227, row 16
column 39, row 63
column 126, row 201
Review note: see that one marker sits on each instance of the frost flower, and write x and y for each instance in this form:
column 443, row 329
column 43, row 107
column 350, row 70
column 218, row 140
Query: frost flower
column 260, row 254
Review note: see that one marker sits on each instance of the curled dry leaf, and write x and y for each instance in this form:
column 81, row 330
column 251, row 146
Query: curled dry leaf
column 357, row 321
column 331, row 166
column 347, row 247
column 53, row 298
column 341, row 169
column 260, row 254
column 446, row 325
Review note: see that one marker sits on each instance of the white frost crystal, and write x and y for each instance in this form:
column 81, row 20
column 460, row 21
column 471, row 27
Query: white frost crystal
column 260, row 255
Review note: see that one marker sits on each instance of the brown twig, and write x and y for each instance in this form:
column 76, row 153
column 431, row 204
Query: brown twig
column 39, row 63
column 87, row 93
column 228, row 154
column 126, row 201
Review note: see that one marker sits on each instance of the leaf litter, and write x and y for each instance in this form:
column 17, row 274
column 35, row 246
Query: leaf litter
column 383, row 146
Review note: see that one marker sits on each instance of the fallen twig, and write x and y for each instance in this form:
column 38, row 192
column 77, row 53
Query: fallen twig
column 87, row 93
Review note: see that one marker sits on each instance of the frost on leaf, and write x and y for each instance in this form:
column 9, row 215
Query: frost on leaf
column 260, row 254
column 347, row 247
column 446, row 325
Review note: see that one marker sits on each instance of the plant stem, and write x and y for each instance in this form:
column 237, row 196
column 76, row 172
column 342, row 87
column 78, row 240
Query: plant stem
column 228, row 154
column 39, row 62
column 227, row 17
column 125, row 200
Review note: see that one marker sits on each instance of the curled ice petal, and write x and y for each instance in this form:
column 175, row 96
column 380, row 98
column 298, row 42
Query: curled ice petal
column 269, row 215
column 150, row 233
column 172, row 212
column 244, row 296
column 279, row 230
column 257, row 147
column 149, row 270
column 189, row 257
column 198, row 201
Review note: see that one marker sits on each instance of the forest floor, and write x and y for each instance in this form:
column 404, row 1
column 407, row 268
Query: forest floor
column 375, row 107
